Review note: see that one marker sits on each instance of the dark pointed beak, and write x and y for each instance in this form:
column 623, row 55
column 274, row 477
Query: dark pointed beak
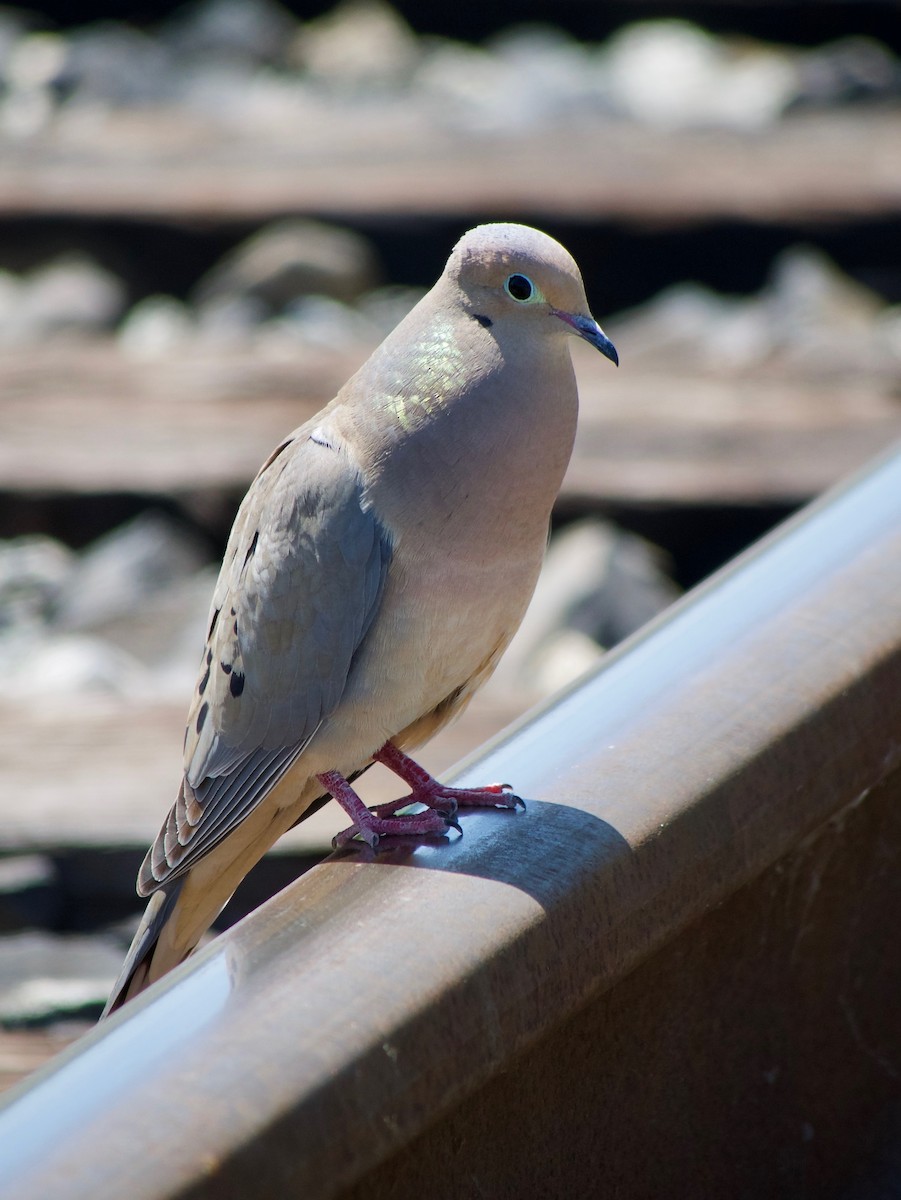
column 588, row 328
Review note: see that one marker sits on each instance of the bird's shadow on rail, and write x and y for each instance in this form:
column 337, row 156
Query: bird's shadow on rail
column 542, row 851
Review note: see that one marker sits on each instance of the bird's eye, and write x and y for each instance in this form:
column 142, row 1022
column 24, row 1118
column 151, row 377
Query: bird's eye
column 520, row 288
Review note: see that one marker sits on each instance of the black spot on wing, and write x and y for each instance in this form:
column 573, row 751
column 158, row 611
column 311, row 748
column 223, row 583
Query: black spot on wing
column 236, row 683
column 213, row 623
column 201, row 716
column 201, row 687
column 251, row 549
column 226, row 667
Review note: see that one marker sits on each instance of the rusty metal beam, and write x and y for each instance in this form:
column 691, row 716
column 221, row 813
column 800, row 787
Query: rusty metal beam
column 711, row 839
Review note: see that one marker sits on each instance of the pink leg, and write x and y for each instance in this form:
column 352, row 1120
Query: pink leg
column 440, row 800
column 425, row 789
column 370, row 824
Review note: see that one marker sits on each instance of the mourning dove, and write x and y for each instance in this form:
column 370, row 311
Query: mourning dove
column 378, row 566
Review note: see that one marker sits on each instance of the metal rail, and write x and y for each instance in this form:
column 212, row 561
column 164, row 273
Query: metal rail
column 675, row 974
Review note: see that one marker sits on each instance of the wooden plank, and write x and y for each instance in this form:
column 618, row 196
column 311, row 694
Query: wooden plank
column 87, row 419
column 389, row 159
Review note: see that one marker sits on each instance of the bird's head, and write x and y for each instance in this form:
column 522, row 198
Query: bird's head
column 521, row 279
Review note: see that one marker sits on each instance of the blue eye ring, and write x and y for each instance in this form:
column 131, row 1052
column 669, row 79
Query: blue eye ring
column 520, row 288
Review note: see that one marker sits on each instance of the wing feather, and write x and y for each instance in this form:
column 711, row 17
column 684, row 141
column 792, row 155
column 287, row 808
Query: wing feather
column 300, row 584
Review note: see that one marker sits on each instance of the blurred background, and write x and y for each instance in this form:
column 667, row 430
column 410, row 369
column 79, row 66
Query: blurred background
column 210, row 213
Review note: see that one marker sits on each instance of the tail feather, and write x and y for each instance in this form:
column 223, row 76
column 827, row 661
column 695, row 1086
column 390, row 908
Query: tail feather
column 133, row 977
column 183, row 906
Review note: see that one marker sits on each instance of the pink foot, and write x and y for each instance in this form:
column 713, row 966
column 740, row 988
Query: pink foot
column 425, row 789
column 441, row 801
column 370, row 825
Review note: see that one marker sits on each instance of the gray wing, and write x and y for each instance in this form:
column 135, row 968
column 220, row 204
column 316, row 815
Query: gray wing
column 301, row 581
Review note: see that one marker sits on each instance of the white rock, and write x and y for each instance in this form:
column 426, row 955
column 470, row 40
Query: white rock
column 62, row 666
column 691, row 325
column 851, row 68
column 71, row 293
column 670, row 74
column 34, row 572
column 385, row 307
column 45, row 975
column 809, row 312
column 286, row 260
column 321, row 321
column 230, row 320
column 598, row 585
column 110, row 63
column 35, row 60
column 465, row 86
column 358, row 45
column 256, row 31
column 563, row 658
column 807, row 291
column 558, row 70
column 165, row 634
column 156, row 325
column 123, row 569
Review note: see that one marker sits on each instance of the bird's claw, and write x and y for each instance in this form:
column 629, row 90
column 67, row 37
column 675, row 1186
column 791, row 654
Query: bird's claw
column 375, row 827
column 492, row 795
column 346, row 836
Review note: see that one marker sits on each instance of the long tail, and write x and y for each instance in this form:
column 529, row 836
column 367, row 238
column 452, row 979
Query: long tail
column 183, row 908
column 139, row 962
